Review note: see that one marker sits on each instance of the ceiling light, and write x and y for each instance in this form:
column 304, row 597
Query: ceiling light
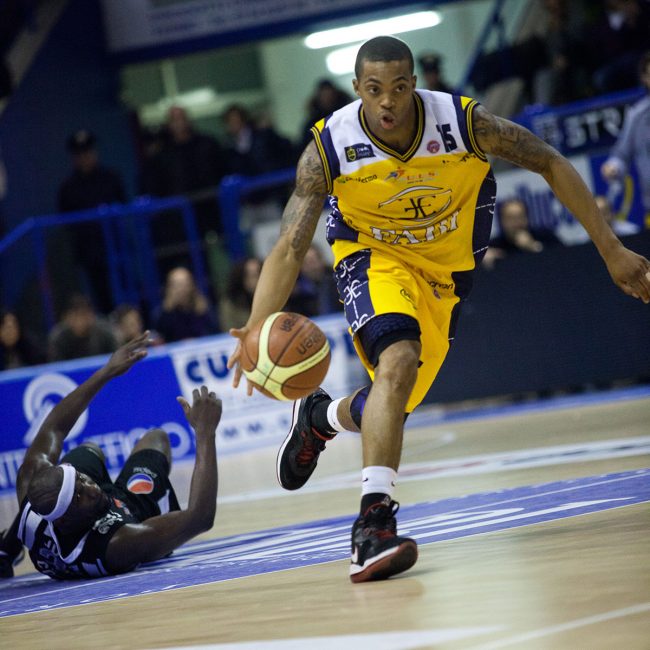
column 341, row 61
column 364, row 31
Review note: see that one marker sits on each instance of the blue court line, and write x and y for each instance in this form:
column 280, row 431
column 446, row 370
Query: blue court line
column 327, row 540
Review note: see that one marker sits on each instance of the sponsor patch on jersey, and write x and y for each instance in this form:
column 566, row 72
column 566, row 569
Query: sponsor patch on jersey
column 140, row 484
column 357, row 151
column 433, row 146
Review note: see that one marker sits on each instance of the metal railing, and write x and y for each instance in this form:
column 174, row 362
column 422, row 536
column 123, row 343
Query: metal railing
column 131, row 253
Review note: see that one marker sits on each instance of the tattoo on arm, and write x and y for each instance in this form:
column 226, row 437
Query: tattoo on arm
column 511, row 142
column 306, row 202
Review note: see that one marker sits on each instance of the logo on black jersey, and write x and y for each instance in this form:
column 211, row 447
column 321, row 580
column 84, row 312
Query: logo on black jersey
column 357, row 151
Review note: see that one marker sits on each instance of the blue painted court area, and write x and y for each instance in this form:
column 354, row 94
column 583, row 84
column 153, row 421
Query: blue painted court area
column 327, row 540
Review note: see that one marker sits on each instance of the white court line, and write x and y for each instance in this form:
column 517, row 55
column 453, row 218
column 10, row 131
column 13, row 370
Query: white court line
column 564, row 627
column 401, row 640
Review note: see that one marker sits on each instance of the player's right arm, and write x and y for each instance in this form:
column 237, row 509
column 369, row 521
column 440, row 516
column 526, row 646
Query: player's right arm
column 155, row 538
column 282, row 265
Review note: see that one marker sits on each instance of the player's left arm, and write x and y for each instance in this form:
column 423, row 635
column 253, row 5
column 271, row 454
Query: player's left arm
column 502, row 138
column 158, row 536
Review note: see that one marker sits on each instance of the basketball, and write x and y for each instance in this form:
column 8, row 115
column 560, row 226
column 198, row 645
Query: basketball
column 286, row 356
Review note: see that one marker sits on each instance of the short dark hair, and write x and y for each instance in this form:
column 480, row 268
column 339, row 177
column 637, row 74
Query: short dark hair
column 240, row 110
column 383, row 48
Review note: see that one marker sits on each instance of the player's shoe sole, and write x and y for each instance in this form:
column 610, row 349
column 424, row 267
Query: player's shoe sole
column 387, row 564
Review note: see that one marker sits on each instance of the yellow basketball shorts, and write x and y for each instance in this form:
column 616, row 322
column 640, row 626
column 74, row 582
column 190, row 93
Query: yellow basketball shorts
column 371, row 283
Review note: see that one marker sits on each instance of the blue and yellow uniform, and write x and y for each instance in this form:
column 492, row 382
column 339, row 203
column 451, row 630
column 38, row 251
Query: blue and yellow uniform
column 407, row 229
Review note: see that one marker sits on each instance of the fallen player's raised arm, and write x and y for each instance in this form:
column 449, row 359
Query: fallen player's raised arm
column 48, row 443
column 158, row 536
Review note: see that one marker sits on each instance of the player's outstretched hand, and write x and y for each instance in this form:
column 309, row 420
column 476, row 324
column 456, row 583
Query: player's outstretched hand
column 631, row 272
column 235, row 357
column 128, row 354
column 205, row 412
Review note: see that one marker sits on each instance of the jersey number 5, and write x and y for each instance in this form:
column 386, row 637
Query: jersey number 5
column 447, row 138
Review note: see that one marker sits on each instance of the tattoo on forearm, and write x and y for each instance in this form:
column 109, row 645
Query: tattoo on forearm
column 306, row 202
column 511, row 142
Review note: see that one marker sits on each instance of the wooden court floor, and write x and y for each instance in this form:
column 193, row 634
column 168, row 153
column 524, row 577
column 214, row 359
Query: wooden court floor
column 554, row 576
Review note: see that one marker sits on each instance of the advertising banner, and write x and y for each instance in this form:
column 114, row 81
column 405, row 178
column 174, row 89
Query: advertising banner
column 145, row 398
column 581, row 126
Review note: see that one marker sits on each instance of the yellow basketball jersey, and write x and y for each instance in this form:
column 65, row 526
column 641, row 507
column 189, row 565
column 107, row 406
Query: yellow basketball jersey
column 431, row 206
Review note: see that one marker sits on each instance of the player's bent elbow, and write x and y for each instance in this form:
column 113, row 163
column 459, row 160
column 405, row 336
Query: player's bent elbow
column 205, row 520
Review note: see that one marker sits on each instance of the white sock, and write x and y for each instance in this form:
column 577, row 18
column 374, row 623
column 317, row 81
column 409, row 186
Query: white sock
column 377, row 479
column 332, row 417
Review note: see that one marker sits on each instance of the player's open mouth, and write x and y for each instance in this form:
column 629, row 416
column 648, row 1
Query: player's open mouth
column 387, row 121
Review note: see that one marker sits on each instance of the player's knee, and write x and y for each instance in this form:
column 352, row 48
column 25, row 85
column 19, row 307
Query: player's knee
column 95, row 448
column 157, row 439
column 398, row 365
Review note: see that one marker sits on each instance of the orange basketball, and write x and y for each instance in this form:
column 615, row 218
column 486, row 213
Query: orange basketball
column 286, row 356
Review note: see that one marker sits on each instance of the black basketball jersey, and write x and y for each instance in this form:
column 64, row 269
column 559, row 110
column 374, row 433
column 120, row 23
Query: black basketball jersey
column 87, row 559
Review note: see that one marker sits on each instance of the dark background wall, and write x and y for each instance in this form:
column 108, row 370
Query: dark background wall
column 71, row 84
column 547, row 321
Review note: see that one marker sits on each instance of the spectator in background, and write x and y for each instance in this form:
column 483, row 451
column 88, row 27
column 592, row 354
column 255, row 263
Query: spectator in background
column 516, row 234
column 235, row 306
column 81, row 332
column 185, row 160
column 186, row 313
column 315, row 291
column 152, row 142
column 253, row 150
column 326, row 98
column 128, row 324
column 633, row 143
column 563, row 77
column 432, row 77
column 17, row 347
column 89, row 186
column 616, row 43
column 180, row 160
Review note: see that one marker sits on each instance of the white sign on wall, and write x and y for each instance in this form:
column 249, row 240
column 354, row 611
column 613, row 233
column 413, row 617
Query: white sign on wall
column 132, row 24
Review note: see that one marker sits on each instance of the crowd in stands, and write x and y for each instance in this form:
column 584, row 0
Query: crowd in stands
column 585, row 48
column 580, row 49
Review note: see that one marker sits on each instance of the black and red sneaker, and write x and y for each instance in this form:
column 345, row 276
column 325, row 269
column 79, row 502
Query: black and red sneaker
column 299, row 452
column 377, row 550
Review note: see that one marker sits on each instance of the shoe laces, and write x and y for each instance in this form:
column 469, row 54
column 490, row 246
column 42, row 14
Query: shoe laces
column 311, row 447
column 379, row 520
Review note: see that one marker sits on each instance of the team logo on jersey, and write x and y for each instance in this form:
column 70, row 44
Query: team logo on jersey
column 421, row 203
column 140, row 484
column 433, row 146
column 357, row 151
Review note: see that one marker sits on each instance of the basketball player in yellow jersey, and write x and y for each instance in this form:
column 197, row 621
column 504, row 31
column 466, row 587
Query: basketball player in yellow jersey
column 412, row 197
